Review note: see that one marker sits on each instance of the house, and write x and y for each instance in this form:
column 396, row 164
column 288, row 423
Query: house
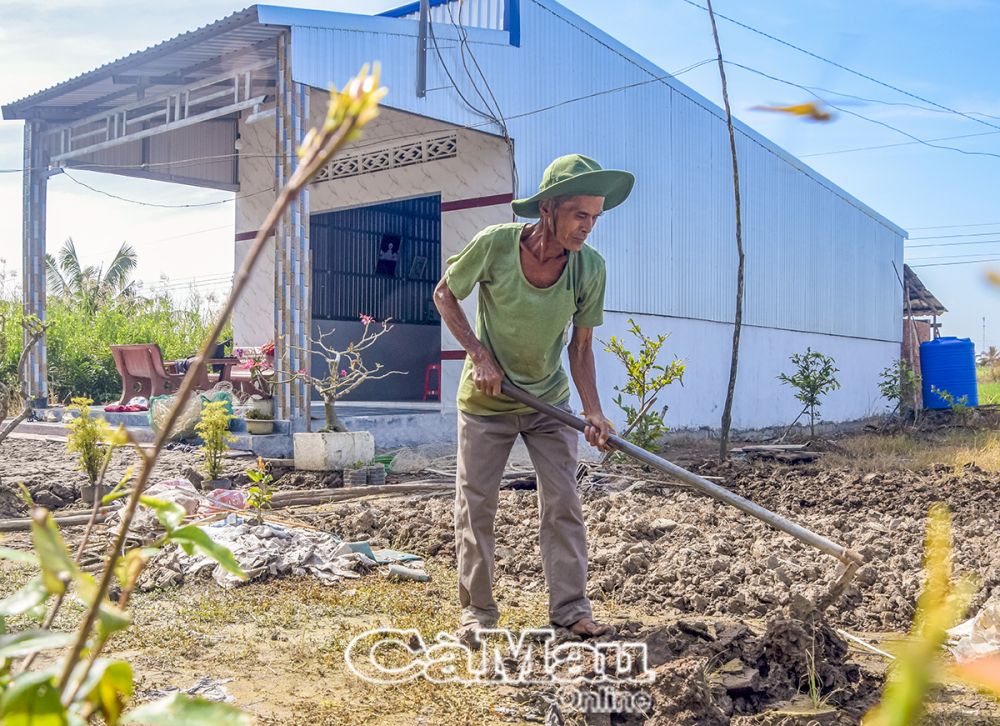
column 919, row 305
column 476, row 110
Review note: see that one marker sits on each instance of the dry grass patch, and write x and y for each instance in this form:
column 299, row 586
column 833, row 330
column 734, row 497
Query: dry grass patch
column 913, row 451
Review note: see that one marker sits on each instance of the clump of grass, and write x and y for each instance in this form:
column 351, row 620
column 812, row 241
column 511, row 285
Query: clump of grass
column 913, row 451
column 983, row 451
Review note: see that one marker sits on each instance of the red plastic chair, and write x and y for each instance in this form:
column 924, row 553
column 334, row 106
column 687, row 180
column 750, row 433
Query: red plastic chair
column 433, row 392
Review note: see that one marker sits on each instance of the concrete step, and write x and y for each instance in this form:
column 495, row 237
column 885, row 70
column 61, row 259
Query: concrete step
column 270, row 446
column 141, row 434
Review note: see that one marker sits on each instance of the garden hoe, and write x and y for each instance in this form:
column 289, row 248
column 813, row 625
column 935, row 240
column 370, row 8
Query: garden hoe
column 850, row 560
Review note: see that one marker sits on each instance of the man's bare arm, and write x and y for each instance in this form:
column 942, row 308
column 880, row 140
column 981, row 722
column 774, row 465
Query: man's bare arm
column 584, row 371
column 487, row 374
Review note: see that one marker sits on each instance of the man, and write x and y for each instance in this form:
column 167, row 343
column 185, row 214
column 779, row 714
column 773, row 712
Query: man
column 534, row 280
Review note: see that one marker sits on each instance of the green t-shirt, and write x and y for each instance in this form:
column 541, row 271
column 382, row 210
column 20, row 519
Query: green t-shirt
column 523, row 326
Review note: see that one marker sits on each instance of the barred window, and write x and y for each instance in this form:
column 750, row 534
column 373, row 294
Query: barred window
column 382, row 260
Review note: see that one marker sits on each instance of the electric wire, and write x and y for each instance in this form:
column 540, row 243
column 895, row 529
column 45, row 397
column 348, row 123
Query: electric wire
column 861, row 116
column 949, row 264
column 955, row 226
column 953, row 236
column 964, row 114
column 464, row 46
column 444, row 66
column 165, row 206
column 954, row 244
column 898, row 143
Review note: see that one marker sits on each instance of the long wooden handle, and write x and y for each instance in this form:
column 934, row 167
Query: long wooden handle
column 809, row 537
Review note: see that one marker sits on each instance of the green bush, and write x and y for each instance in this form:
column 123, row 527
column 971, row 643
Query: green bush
column 79, row 341
column 86, row 435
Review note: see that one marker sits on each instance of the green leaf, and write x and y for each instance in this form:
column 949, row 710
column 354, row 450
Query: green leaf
column 170, row 514
column 32, row 700
column 108, row 687
column 182, row 710
column 7, row 553
column 57, row 566
column 193, row 538
column 111, row 618
column 86, row 588
column 33, row 593
column 29, row 641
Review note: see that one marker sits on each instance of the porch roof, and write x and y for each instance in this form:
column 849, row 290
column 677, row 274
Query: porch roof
column 919, row 300
column 236, row 40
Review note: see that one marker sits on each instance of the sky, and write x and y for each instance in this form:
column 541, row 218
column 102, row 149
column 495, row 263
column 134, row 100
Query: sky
column 942, row 51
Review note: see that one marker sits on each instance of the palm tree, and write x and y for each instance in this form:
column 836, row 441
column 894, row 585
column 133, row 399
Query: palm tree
column 989, row 361
column 93, row 285
column 989, row 357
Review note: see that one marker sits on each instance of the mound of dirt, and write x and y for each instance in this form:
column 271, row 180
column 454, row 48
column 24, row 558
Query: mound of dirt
column 709, row 671
column 674, row 550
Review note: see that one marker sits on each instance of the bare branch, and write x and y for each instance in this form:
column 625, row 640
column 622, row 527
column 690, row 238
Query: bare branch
column 35, row 329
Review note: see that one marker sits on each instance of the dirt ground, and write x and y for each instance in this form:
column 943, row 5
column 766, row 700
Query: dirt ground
column 718, row 597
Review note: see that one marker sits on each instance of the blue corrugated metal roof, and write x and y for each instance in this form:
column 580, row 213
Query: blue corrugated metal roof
column 414, row 7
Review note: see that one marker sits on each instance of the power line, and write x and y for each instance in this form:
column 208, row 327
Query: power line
column 842, row 67
column 951, row 226
column 954, row 244
column 165, row 206
column 950, row 236
column 444, row 66
column 463, row 38
column 898, row 143
column 949, row 264
column 950, row 257
column 861, row 116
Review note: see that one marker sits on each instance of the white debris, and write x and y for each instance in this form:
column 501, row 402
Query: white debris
column 978, row 636
column 271, row 549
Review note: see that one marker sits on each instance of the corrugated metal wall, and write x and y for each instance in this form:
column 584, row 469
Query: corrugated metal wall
column 475, row 13
column 817, row 260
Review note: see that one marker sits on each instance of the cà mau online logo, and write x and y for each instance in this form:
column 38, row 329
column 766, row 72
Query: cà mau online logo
column 392, row 656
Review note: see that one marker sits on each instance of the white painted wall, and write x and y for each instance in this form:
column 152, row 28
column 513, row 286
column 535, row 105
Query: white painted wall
column 761, row 400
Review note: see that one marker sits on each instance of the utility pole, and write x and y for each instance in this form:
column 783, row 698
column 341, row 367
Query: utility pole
column 425, row 10
column 984, row 332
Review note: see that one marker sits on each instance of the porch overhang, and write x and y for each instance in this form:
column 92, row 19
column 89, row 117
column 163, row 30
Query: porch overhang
column 168, row 113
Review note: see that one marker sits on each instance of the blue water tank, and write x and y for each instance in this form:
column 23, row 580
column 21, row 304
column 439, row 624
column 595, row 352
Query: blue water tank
column 949, row 364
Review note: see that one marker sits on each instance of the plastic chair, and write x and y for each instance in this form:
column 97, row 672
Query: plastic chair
column 433, row 392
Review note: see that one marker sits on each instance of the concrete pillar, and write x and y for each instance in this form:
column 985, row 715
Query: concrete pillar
column 35, row 184
column 292, row 279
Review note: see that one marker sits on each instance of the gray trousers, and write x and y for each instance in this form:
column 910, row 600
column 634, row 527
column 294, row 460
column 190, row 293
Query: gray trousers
column 484, row 444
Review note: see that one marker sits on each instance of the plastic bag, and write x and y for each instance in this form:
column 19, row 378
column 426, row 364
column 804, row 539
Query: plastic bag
column 159, row 410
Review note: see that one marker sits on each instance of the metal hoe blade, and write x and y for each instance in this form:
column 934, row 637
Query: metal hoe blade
column 849, row 559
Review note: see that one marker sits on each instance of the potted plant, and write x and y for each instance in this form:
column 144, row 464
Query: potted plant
column 259, row 362
column 213, row 428
column 86, row 436
column 335, row 447
column 259, row 422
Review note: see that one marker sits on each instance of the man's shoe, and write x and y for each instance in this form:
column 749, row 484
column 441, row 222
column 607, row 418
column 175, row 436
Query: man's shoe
column 468, row 635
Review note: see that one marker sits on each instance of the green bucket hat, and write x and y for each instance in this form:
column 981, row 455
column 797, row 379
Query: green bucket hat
column 577, row 175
